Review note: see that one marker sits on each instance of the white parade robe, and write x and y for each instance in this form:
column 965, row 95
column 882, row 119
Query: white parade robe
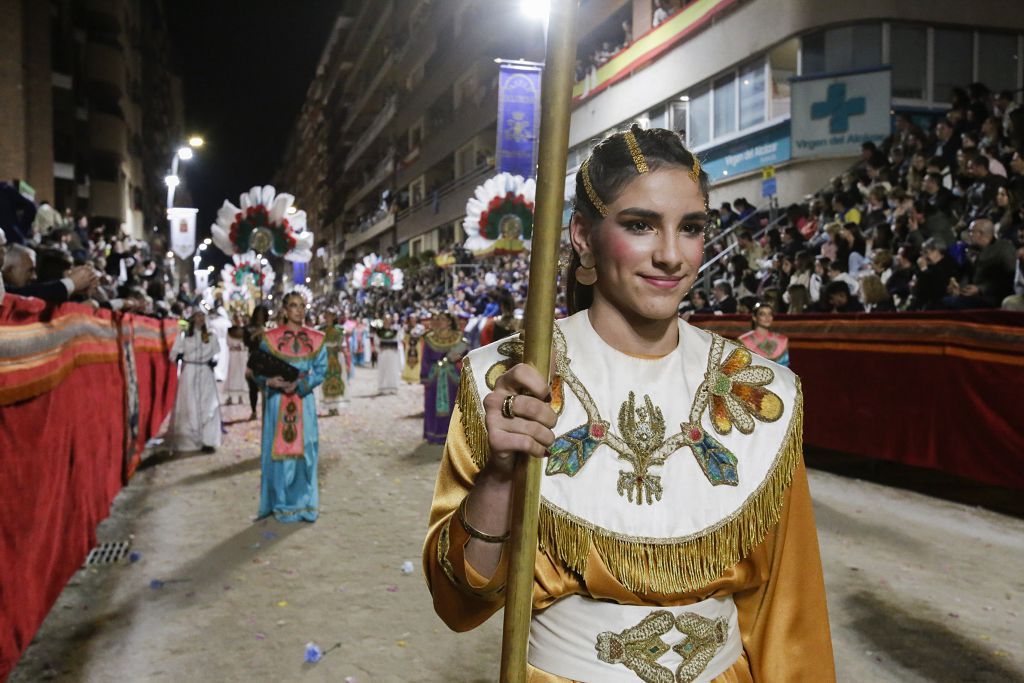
column 196, row 419
column 389, row 364
column 219, row 324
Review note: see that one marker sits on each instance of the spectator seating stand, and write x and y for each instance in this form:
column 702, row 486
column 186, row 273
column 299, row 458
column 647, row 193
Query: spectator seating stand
column 928, row 389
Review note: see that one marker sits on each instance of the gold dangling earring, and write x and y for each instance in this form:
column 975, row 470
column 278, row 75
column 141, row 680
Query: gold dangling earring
column 586, row 274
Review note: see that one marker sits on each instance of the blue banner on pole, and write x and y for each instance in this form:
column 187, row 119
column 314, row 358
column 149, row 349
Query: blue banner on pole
column 299, row 273
column 518, row 119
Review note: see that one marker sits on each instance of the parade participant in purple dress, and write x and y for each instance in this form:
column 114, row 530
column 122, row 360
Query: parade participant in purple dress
column 443, row 349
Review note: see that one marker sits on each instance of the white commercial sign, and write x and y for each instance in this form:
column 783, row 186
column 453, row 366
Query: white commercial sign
column 183, row 231
column 832, row 116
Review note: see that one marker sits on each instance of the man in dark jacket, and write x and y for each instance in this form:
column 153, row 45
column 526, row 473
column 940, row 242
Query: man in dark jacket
column 992, row 270
column 935, row 269
column 19, row 274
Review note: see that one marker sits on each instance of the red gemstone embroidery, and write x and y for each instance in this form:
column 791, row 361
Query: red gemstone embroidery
column 695, row 434
column 597, row 430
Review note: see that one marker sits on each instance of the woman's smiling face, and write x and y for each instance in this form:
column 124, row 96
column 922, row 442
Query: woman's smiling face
column 650, row 246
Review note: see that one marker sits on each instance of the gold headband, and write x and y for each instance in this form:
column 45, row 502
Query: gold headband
column 589, row 187
column 695, row 171
column 634, row 151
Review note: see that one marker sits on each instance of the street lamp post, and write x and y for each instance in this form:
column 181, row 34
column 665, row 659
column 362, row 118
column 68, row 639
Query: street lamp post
column 183, row 153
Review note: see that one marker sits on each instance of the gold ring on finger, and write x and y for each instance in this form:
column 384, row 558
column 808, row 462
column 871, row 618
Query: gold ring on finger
column 508, row 407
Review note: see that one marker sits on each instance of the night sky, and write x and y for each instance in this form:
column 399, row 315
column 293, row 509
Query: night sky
column 245, row 65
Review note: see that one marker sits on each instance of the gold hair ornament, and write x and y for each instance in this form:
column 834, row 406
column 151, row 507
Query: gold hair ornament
column 695, row 171
column 634, row 151
column 589, row 187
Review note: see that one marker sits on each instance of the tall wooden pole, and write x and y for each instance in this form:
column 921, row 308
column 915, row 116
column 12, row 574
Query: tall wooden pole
column 556, row 107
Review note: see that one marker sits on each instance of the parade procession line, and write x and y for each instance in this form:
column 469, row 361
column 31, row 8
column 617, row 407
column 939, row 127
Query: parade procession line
column 919, row 589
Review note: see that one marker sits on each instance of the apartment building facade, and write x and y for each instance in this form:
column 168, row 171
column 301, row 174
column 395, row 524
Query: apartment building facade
column 406, row 93
column 90, row 107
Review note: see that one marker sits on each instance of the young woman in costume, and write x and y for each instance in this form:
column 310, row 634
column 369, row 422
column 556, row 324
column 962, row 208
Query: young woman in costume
column 235, row 386
column 443, row 349
column 333, row 388
column 677, row 539
column 252, row 337
column 195, row 425
column 388, row 339
column 291, row 443
column 761, row 340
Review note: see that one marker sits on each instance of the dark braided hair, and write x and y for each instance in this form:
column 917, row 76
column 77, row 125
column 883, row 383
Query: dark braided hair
column 610, row 167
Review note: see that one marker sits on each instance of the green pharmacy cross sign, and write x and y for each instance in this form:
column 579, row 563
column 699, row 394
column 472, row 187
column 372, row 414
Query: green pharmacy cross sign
column 838, row 108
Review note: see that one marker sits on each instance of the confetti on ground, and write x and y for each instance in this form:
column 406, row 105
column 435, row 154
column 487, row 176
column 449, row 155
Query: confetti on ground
column 134, row 556
column 401, row 643
column 156, row 584
column 392, row 588
column 261, row 636
column 267, row 535
column 313, row 653
column 408, row 567
column 282, row 603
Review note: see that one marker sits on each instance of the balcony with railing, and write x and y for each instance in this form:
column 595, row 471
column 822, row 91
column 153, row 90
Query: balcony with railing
column 467, row 121
column 384, row 170
column 371, row 41
column 366, row 138
column 449, row 62
column 106, row 14
column 105, row 64
column 369, row 228
column 370, row 91
column 443, row 205
column 108, row 134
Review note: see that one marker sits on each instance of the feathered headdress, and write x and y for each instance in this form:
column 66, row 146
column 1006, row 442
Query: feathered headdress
column 499, row 215
column 373, row 272
column 262, row 224
column 248, row 270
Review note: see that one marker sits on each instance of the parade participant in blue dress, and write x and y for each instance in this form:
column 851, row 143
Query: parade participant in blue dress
column 290, row 435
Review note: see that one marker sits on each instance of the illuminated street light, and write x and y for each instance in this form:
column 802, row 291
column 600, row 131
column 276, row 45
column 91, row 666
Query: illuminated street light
column 535, row 9
column 208, row 241
column 170, row 254
column 196, row 141
column 172, row 181
column 202, row 247
column 184, row 153
column 292, row 210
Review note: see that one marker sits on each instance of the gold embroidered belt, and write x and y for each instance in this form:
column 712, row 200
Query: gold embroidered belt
column 595, row 641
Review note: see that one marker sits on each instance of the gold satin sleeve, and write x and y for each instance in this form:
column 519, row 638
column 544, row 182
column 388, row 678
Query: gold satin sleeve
column 778, row 588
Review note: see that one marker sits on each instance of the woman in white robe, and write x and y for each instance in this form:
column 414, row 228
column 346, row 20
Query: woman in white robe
column 236, row 388
column 195, row 423
column 389, row 358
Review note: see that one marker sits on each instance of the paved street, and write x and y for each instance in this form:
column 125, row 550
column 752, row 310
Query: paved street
column 919, row 589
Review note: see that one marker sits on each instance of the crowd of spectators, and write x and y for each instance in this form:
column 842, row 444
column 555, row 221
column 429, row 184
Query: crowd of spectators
column 467, row 288
column 594, row 55
column 930, row 219
column 57, row 257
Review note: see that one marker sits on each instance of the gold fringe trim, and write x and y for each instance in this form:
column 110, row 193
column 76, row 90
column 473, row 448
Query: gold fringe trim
column 471, row 410
column 686, row 563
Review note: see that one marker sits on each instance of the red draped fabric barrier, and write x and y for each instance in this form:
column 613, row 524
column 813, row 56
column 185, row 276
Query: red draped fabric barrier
column 938, row 390
column 81, row 391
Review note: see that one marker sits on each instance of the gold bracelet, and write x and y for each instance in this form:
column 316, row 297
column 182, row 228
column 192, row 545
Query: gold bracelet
column 476, row 533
